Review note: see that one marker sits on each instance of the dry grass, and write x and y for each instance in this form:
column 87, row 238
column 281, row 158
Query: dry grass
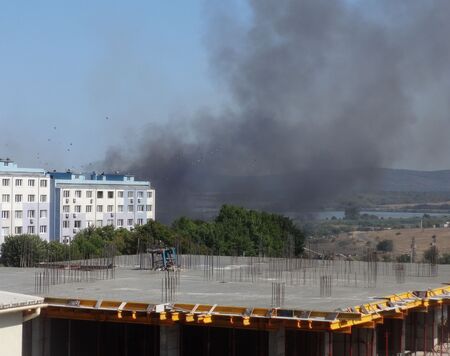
column 355, row 242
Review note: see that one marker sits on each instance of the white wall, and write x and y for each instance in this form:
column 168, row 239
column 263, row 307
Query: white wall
column 11, row 334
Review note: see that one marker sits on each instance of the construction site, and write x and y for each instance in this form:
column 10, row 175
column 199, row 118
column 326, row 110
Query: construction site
column 158, row 303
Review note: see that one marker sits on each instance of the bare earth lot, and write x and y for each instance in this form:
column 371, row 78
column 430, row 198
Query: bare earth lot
column 354, row 242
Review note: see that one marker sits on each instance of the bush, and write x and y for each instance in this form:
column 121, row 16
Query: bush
column 431, row 255
column 404, row 258
column 445, row 259
column 385, row 246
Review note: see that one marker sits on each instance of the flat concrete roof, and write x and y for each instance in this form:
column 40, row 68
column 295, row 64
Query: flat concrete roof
column 244, row 282
column 10, row 300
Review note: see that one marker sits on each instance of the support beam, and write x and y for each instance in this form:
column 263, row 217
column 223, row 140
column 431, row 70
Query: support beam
column 169, row 344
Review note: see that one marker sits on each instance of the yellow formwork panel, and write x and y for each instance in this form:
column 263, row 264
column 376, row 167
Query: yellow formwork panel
column 365, row 315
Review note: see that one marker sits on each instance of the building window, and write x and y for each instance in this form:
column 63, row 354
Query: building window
column 89, row 194
column 5, row 231
column 149, row 208
column 5, row 182
column 18, row 182
column 18, row 214
column 31, row 182
column 109, row 208
column 5, row 214
column 119, row 222
column 77, row 193
column 130, row 208
column 66, row 224
column 110, row 222
column 43, row 214
column 140, row 207
column 99, row 208
column 43, row 229
column 77, row 224
column 110, row 194
column 18, row 198
column 66, row 193
column 88, row 208
column 120, row 194
column 31, row 214
column 43, row 198
column 30, row 230
column 140, row 194
column 66, row 208
column 18, row 230
column 5, row 198
column 130, row 222
column 149, row 194
column 99, row 223
column 99, row 194
column 130, row 194
column 120, row 208
column 78, row 208
column 43, row 183
column 140, row 221
column 31, row 198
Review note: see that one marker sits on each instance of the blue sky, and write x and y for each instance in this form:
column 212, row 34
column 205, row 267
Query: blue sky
column 67, row 65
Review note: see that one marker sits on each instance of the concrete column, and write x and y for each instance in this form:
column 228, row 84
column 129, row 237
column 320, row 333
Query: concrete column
column 40, row 336
column 373, row 336
column 426, row 329
column 365, row 342
column 11, row 334
column 398, row 337
column 169, row 340
column 277, row 342
column 327, row 342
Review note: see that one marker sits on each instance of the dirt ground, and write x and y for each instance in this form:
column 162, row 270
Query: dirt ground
column 356, row 242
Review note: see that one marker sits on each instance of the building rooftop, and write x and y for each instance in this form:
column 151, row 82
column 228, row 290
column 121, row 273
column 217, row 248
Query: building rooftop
column 95, row 179
column 9, row 167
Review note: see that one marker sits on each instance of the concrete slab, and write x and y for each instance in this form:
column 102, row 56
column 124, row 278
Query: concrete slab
column 10, row 300
column 244, row 282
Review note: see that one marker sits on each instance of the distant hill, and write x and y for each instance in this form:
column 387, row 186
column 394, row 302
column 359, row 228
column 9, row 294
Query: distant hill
column 403, row 180
column 305, row 191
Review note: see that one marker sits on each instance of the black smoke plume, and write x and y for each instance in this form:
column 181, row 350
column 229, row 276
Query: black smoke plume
column 322, row 94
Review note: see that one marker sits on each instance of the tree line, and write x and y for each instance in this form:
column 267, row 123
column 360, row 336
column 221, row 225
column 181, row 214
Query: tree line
column 234, row 231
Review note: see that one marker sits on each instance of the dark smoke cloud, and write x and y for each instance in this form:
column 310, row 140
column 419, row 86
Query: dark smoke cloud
column 322, row 93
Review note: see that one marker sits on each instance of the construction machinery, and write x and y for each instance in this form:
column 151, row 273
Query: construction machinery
column 163, row 259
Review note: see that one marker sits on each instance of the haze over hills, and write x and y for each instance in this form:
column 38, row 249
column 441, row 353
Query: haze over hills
column 404, row 180
column 386, row 179
column 289, row 193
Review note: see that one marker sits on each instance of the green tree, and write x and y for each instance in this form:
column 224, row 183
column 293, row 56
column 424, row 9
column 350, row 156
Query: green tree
column 351, row 212
column 56, row 251
column 23, row 250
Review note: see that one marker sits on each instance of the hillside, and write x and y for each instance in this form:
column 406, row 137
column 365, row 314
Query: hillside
column 402, row 180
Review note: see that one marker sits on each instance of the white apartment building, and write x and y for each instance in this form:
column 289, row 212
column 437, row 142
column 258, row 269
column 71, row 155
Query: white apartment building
column 81, row 201
column 24, row 201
